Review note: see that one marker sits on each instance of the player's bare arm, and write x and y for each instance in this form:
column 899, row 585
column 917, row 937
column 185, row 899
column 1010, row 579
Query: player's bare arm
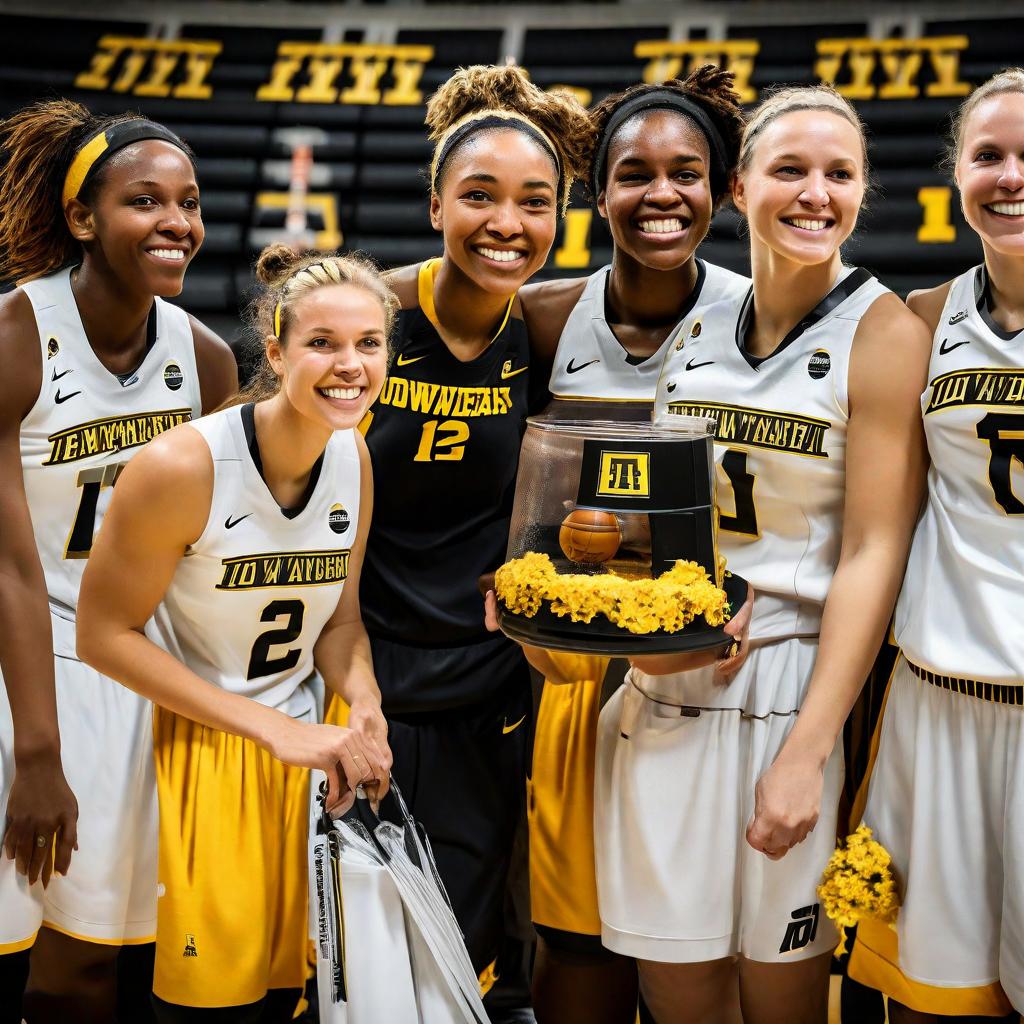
column 885, row 477
column 218, row 371
column 41, row 804
column 161, row 506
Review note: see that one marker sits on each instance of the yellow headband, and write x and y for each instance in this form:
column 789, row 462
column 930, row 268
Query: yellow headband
column 277, row 321
column 480, row 115
column 81, row 165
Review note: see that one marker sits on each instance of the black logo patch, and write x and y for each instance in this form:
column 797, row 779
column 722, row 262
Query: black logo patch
column 802, row 929
column 52, row 347
column 338, row 519
column 190, row 946
column 670, row 386
column 957, row 317
column 173, row 377
column 819, row 364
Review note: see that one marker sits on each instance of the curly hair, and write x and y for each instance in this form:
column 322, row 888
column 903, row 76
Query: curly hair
column 558, row 115
column 38, row 145
column 285, row 277
column 711, row 88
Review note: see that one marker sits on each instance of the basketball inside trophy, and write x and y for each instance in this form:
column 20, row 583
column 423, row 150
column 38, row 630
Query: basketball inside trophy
column 613, row 542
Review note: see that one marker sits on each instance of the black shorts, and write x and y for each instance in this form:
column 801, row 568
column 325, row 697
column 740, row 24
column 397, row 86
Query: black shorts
column 462, row 772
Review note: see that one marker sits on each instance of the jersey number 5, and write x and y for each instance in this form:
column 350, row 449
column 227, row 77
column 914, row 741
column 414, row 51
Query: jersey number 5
column 442, row 441
column 260, row 661
column 734, row 463
column 91, row 481
column 1004, row 432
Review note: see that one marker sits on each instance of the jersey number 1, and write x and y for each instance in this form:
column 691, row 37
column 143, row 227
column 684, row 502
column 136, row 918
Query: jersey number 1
column 260, row 661
column 91, row 481
column 734, row 463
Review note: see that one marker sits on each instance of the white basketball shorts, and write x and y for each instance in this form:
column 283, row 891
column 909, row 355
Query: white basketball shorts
column 677, row 880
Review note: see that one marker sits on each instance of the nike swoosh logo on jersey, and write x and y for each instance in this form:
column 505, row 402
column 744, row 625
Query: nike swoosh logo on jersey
column 401, row 361
column 691, row 365
column 507, row 371
column 945, row 349
column 506, row 728
column 57, row 376
column 670, row 386
column 60, row 399
column 957, row 317
column 576, row 369
column 229, row 523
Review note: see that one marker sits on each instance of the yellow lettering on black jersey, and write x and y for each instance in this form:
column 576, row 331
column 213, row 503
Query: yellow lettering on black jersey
column 114, row 434
column 285, row 569
column 444, row 399
column 993, row 388
column 761, row 428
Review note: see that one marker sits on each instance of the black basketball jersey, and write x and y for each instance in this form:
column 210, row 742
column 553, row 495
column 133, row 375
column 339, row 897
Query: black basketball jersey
column 444, row 438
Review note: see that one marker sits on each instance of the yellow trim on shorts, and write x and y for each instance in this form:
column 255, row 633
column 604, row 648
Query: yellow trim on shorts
column 17, row 947
column 875, row 962
column 861, row 799
column 98, row 942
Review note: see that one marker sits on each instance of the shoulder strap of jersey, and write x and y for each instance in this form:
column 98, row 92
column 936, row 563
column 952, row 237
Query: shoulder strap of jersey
column 425, row 294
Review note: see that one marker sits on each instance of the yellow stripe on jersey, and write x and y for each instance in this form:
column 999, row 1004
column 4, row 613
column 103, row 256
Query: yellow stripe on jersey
column 875, row 962
column 425, row 294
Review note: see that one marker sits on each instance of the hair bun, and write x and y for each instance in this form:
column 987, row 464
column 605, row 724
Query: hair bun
column 480, row 87
column 275, row 264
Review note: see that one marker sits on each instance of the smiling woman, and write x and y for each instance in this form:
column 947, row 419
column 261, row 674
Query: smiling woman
column 270, row 501
column 99, row 219
column 445, row 439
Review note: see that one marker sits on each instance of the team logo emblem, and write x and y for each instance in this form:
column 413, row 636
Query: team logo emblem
column 173, row 377
column 801, row 930
column 670, row 386
column 52, row 348
column 959, row 315
column 338, row 518
column 625, row 474
column 819, row 364
column 695, row 329
column 190, row 946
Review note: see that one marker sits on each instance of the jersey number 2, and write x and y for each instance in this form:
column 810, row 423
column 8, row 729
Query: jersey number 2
column 745, row 520
column 260, row 661
column 91, row 481
column 1004, row 432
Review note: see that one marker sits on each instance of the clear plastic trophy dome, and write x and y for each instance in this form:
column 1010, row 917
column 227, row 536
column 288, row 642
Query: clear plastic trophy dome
column 604, row 502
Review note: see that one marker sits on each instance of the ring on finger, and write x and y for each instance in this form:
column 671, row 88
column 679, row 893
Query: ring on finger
column 42, row 842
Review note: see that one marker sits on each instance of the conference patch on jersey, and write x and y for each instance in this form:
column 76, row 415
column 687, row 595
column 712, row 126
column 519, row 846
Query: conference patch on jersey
column 978, row 386
column 173, row 377
column 819, row 364
column 338, row 518
column 285, row 569
column 760, row 428
column 625, row 474
column 52, row 347
column 114, row 434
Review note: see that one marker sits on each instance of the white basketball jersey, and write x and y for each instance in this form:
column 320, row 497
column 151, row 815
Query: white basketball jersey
column 250, row 597
column 780, row 445
column 590, row 363
column 961, row 609
column 85, row 425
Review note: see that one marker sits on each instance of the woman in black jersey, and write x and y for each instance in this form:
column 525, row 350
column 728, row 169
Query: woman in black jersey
column 444, row 438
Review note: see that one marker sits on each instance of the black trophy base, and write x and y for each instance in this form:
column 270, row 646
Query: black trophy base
column 601, row 636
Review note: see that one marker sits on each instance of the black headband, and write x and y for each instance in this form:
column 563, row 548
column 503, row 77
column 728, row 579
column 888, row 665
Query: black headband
column 665, row 99
column 496, row 120
column 103, row 145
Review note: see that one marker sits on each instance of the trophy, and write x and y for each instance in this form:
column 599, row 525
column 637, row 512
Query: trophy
column 613, row 540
